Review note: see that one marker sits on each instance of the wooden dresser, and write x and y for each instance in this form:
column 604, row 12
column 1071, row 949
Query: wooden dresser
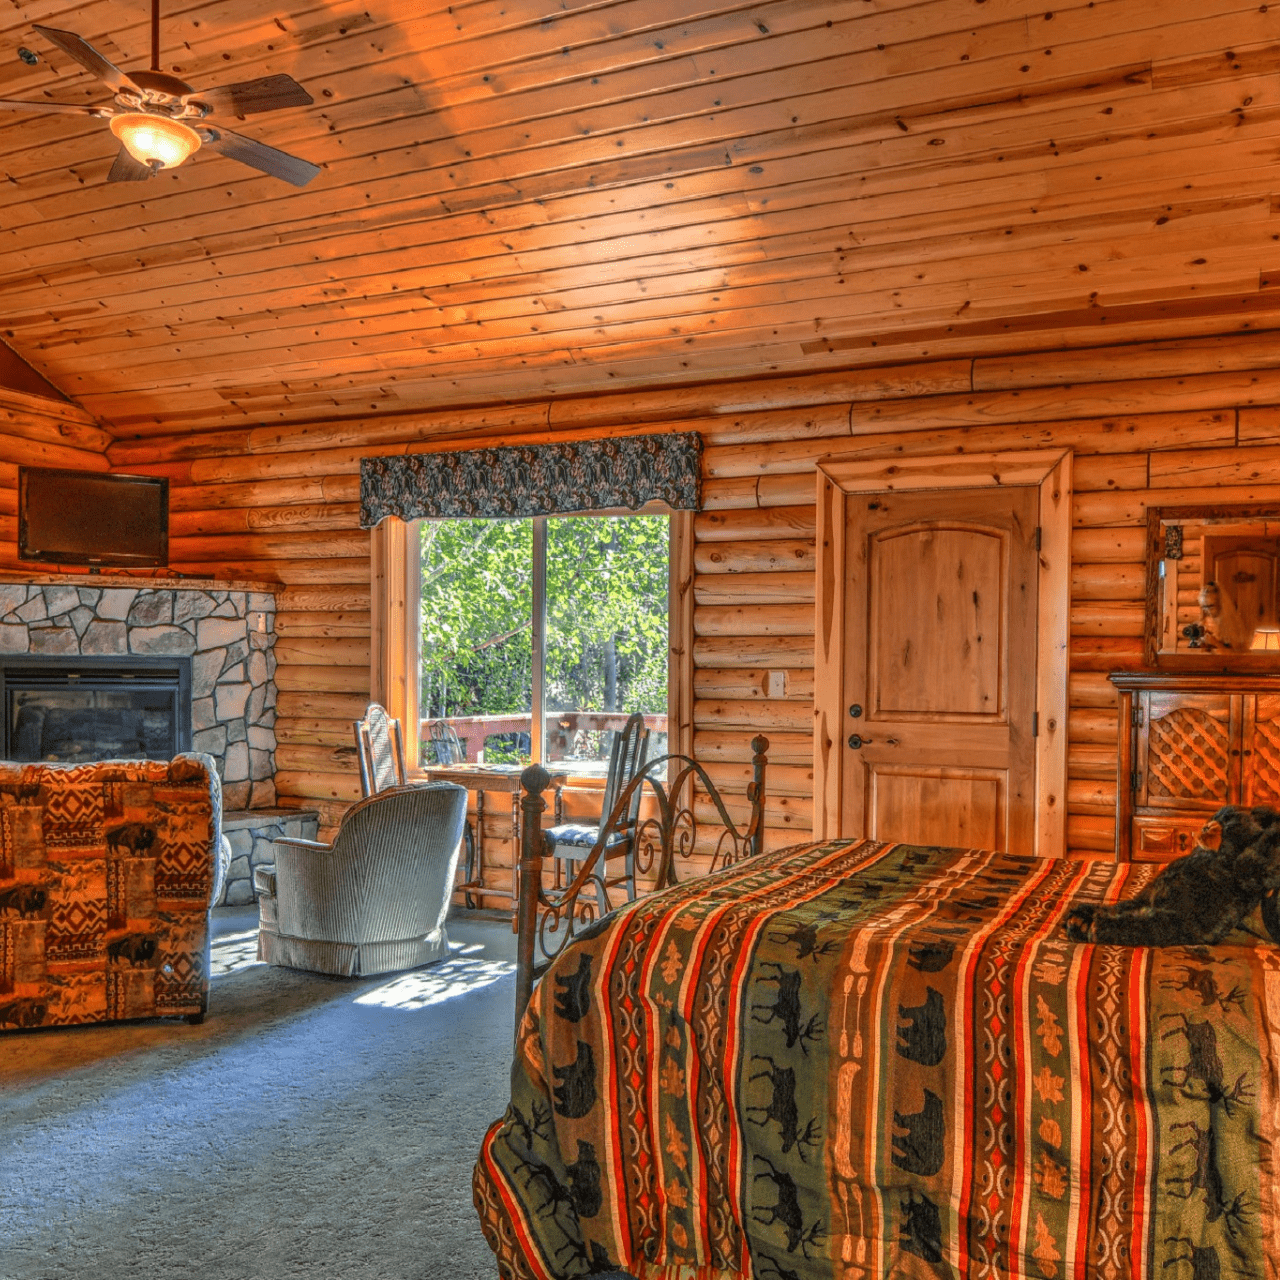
column 1188, row 744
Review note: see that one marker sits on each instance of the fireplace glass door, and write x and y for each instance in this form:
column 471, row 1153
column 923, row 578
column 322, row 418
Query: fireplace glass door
column 74, row 714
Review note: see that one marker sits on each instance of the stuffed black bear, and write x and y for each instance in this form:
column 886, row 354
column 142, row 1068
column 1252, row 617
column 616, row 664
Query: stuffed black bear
column 1199, row 898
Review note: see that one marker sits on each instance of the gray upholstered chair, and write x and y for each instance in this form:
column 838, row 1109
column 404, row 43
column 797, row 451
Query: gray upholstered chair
column 373, row 901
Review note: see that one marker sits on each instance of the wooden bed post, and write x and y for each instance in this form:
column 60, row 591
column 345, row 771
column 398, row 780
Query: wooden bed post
column 535, row 780
column 755, row 793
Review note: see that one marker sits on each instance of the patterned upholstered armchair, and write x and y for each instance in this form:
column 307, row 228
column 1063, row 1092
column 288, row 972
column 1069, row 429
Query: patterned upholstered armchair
column 373, row 901
column 107, row 873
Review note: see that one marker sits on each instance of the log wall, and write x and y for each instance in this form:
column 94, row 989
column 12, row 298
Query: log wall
column 1151, row 423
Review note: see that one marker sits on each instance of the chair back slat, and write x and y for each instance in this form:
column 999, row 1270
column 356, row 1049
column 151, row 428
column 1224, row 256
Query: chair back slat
column 627, row 757
column 380, row 748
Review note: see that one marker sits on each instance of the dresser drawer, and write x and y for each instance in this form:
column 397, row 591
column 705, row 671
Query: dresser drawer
column 1162, row 839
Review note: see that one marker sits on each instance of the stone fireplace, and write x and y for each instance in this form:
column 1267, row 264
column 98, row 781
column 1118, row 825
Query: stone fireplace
column 226, row 637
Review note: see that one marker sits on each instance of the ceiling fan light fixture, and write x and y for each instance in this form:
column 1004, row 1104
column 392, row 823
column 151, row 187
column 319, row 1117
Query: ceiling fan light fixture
column 155, row 140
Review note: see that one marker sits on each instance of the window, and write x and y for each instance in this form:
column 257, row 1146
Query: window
column 540, row 636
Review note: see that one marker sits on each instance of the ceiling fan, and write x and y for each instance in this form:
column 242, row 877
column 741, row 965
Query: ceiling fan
column 159, row 119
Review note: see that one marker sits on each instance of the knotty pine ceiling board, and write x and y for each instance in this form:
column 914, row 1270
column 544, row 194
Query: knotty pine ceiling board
column 522, row 199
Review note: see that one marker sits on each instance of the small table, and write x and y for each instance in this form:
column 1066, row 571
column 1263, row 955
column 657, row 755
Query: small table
column 490, row 777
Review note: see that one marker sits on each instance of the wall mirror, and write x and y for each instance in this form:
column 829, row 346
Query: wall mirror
column 1213, row 588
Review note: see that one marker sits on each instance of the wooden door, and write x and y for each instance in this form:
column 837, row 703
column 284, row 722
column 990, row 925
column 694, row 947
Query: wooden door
column 1246, row 579
column 940, row 665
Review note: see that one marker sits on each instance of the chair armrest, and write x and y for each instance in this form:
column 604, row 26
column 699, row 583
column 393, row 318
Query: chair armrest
column 296, row 842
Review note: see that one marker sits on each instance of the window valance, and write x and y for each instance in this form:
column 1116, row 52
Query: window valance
column 534, row 480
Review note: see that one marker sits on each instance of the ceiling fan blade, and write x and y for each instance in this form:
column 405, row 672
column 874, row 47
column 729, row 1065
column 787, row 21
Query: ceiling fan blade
column 257, row 155
column 127, row 169
column 270, row 93
column 60, row 108
column 89, row 58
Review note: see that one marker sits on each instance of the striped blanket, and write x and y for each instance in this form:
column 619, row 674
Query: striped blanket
column 859, row 1059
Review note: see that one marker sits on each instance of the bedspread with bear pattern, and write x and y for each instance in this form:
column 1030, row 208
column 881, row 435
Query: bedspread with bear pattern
column 858, row 1060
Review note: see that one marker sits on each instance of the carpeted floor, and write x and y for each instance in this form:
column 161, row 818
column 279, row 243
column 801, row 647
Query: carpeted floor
column 311, row 1127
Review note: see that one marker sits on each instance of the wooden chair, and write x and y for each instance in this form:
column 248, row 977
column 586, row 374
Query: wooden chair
column 380, row 748
column 572, row 843
column 445, row 740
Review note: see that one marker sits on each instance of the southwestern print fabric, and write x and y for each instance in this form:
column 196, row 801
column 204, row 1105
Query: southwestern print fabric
column 867, row 1060
column 534, row 480
column 107, row 872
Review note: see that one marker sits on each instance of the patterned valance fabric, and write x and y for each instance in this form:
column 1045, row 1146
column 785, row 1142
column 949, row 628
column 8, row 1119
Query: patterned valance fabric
column 534, row 480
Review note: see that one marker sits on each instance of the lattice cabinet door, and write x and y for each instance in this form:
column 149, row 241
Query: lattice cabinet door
column 1186, row 765
column 1260, row 749
column 1188, row 755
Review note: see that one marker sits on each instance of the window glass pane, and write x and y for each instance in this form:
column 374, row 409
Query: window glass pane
column 477, row 652
column 606, row 646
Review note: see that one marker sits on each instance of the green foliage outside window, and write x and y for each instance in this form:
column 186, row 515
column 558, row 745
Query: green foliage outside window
column 606, row 640
column 476, row 605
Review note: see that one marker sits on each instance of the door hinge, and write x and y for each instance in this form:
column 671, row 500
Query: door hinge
column 1136, row 717
column 1039, row 536
column 1035, row 724
column 1135, row 782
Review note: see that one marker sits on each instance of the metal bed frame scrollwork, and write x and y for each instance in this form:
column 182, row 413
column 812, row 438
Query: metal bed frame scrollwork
column 546, row 920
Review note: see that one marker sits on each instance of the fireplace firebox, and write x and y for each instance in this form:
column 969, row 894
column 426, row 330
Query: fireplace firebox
column 75, row 709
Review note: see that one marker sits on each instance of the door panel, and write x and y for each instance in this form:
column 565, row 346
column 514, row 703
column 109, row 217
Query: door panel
column 1261, row 780
column 1185, row 756
column 1248, row 577
column 938, row 805
column 940, row 661
column 936, row 649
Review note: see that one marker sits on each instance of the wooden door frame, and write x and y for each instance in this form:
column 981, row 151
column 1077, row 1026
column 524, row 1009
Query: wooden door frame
column 1049, row 470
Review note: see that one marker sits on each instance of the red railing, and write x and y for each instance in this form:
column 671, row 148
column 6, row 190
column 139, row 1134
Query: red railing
column 562, row 727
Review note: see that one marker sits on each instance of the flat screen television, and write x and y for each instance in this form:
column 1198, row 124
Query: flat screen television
column 84, row 517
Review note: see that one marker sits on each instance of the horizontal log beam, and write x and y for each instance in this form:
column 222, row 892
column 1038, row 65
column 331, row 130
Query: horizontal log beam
column 793, row 683
column 753, row 588
column 764, row 556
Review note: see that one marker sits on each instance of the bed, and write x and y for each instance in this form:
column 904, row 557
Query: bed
column 857, row 1059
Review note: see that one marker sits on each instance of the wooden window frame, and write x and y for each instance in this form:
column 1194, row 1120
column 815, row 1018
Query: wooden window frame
column 1049, row 470
column 395, row 658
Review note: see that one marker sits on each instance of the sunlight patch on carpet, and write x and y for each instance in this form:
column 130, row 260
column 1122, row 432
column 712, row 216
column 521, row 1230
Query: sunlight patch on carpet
column 463, row 972
column 233, row 952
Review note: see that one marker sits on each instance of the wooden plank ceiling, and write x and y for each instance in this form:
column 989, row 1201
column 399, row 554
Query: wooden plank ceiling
column 524, row 197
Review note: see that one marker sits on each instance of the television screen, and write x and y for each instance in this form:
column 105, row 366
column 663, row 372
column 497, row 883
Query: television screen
column 84, row 517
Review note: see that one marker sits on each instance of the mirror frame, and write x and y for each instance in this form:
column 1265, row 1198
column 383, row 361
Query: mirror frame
column 1155, row 548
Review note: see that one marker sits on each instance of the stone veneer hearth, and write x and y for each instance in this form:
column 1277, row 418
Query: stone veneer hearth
column 229, row 635
column 252, row 837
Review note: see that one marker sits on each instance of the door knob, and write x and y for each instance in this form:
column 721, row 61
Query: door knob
column 855, row 741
